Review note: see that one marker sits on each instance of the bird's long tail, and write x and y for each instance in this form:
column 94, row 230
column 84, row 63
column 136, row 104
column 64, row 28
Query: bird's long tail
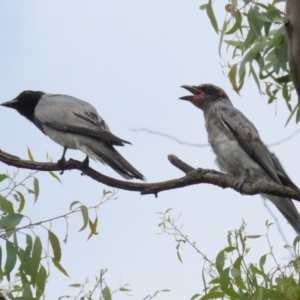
column 107, row 154
column 288, row 210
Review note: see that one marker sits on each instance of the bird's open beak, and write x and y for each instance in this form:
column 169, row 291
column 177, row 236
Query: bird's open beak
column 11, row 103
column 191, row 89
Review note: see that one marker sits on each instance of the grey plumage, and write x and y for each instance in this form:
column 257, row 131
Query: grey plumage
column 74, row 124
column 238, row 147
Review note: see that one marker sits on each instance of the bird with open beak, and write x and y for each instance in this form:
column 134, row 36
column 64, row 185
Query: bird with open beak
column 238, row 148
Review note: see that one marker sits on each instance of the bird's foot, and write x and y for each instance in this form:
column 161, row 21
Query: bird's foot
column 242, row 179
column 85, row 164
column 61, row 163
column 238, row 185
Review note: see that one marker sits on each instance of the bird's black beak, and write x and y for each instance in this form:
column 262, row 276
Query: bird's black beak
column 11, row 103
column 193, row 90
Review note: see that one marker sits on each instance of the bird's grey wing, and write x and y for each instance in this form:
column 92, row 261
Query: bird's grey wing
column 69, row 114
column 284, row 178
column 248, row 138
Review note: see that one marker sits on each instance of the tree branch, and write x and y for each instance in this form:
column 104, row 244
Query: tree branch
column 193, row 176
column 292, row 26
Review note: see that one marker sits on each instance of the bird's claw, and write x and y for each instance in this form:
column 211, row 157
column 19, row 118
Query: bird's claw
column 238, row 185
column 85, row 164
column 61, row 163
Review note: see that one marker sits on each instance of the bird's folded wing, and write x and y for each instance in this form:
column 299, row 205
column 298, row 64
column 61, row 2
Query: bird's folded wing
column 248, row 138
column 69, row 114
column 284, row 178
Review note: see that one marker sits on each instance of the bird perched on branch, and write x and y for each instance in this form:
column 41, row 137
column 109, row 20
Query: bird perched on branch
column 238, row 147
column 74, row 124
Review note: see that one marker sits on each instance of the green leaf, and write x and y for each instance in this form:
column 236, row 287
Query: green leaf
column 285, row 92
column 211, row 16
column 73, row 203
column 224, row 279
column 298, row 115
column 229, row 291
column 222, row 36
column 27, row 294
column 220, row 260
column 252, row 71
column 54, row 175
column 106, row 293
column 35, row 259
column 21, row 199
column 236, row 44
column 75, row 285
column 203, row 6
column 274, row 295
column 212, row 295
column 54, row 241
column 124, row 289
column 253, row 236
column 262, row 17
column 6, row 205
column 229, row 249
column 30, row 155
column 249, row 39
column 59, row 267
column 237, row 24
column 25, row 298
column 36, row 188
column 85, row 216
column 41, row 282
column 236, row 273
column 262, row 261
column 232, row 76
column 291, row 115
column 296, row 241
column 11, row 258
column 10, row 222
column 255, row 24
column 284, row 79
column 93, row 227
column 26, row 258
column 282, row 55
column 179, row 257
column 2, row 177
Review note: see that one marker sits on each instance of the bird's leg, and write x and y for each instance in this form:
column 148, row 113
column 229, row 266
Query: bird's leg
column 85, row 163
column 61, row 161
column 239, row 183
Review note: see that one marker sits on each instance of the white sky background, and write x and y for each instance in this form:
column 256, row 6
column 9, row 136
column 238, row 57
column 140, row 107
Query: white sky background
column 129, row 59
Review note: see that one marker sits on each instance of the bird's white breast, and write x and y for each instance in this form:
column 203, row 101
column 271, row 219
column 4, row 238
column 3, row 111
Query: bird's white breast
column 233, row 159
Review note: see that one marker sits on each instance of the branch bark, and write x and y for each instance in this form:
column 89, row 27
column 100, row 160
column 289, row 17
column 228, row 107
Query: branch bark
column 192, row 176
column 292, row 27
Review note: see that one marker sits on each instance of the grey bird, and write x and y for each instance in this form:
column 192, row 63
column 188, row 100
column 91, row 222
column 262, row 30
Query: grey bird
column 74, row 124
column 238, row 147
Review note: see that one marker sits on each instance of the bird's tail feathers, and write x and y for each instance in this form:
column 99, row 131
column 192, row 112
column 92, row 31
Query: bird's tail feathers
column 109, row 155
column 288, row 210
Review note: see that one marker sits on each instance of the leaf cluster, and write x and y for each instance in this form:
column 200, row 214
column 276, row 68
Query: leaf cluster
column 254, row 34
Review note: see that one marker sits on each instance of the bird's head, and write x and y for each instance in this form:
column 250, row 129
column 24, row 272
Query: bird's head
column 204, row 95
column 25, row 103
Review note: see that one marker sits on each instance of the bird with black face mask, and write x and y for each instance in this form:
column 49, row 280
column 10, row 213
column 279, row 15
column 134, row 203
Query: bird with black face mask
column 74, row 124
column 238, row 147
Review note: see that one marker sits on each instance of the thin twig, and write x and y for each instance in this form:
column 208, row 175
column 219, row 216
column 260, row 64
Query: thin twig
column 205, row 145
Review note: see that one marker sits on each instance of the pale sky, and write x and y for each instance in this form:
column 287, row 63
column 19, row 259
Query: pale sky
column 129, row 59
